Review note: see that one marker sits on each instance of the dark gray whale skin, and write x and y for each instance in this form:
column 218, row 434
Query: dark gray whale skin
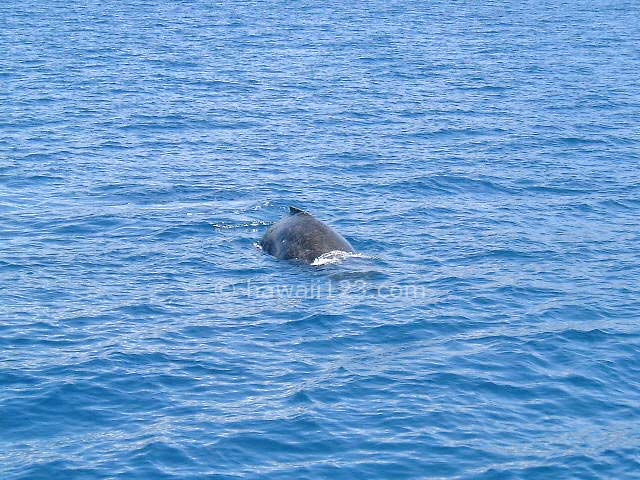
column 302, row 237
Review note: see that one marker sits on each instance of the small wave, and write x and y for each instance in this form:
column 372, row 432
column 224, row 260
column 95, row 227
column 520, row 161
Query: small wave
column 336, row 256
column 234, row 226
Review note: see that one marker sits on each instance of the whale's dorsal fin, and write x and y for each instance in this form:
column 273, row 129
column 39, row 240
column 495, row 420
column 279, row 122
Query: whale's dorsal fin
column 294, row 211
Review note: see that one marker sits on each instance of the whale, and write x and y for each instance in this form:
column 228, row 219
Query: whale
column 301, row 236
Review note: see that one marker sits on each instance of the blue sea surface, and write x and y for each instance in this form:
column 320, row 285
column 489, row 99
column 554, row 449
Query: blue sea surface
column 482, row 157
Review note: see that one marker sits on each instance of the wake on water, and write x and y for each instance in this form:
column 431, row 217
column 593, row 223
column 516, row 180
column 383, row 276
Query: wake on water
column 330, row 258
column 336, row 256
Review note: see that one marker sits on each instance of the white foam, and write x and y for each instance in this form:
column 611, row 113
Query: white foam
column 335, row 256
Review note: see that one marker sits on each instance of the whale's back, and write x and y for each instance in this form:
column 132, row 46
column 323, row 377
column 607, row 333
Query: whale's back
column 301, row 236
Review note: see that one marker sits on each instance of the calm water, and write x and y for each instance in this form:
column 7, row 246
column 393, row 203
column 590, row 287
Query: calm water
column 483, row 159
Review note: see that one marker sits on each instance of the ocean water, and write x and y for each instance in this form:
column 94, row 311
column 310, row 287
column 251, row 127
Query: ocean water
column 482, row 157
